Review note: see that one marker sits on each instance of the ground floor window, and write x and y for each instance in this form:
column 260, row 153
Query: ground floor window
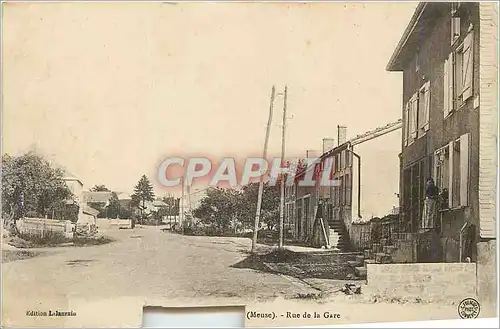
column 348, row 189
column 414, row 180
column 306, row 215
column 290, row 217
column 300, row 232
column 451, row 173
column 329, row 212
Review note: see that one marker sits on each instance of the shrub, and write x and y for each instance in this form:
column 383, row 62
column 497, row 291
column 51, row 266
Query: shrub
column 31, row 214
column 91, row 241
column 151, row 221
column 86, row 230
column 48, row 238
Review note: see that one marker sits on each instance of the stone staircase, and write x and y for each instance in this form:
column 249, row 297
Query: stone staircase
column 383, row 252
column 339, row 239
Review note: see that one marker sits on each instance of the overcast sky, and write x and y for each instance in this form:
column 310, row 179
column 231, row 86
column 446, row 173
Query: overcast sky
column 108, row 90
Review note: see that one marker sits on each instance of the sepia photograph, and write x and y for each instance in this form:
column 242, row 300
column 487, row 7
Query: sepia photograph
column 307, row 163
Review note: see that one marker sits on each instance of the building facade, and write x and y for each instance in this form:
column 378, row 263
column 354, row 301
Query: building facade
column 364, row 187
column 75, row 185
column 448, row 56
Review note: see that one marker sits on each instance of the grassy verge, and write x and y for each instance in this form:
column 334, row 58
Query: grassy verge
column 300, row 265
column 95, row 241
column 13, row 255
column 25, row 241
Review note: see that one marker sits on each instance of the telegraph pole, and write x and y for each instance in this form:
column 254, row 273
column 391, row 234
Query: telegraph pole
column 189, row 197
column 282, row 197
column 261, row 182
column 181, row 205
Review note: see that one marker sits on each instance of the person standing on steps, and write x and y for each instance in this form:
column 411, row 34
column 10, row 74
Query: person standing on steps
column 431, row 195
column 428, row 215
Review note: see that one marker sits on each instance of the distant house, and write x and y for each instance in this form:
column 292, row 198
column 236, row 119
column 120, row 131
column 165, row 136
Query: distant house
column 89, row 215
column 125, row 199
column 159, row 204
column 154, row 206
column 75, row 185
column 97, row 197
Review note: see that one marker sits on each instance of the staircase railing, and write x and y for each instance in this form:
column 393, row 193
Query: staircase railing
column 460, row 239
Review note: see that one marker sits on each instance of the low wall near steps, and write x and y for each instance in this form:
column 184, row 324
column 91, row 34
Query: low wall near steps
column 428, row 281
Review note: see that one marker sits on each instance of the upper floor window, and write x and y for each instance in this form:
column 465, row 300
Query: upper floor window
column 424, row 106
column 348, row 187
column 455, row 29
column 336, row 164
column 458, row 73
column 455, row 6
column 348, row 158
column 342, row 190
column 417, row 114
column 417, row 60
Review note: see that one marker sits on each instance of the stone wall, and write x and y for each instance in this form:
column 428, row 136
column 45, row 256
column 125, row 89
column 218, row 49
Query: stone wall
column 41, row 226
column 113, row 223
column 359, row 236
column 317, row 237
column 487, row 272
column 488, row 118
column 428, row 281
column 405, row 251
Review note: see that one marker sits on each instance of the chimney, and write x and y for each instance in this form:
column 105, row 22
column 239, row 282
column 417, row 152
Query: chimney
column 342, row 134
column 312, row 154
column 328, row 144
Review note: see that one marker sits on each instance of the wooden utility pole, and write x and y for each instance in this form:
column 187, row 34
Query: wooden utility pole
column 189, row 198
column 181, row 205
column 261, row 181
column 282, row 197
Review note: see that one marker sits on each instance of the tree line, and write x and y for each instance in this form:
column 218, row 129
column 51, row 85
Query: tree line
column 230, row 210
column 33, row 187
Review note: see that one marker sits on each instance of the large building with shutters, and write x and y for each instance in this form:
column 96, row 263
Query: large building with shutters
column 448, row 57
column 323, row 214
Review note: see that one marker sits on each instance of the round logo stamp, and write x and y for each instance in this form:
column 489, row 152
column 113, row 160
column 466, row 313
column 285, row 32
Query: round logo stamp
column 469, row 308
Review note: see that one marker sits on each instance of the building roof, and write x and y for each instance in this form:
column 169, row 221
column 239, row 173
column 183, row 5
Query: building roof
column 68, row 178
column 101, row 196
column 159, row 203
column 326, row 154
column 123, row 196
column 421, row 22
column 90, row 211
column 360, row 138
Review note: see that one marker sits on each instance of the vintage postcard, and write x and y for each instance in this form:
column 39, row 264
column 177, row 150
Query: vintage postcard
column 313, row 163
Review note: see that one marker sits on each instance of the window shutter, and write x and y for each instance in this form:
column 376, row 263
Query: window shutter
column 464, row 169
column 450, row 174
column 427, row 104
column 446, row 89
column 468, row 65
column 451, row 73
column 455, row 28
column 413, row 115
column 435, row 163
column 407, row 123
